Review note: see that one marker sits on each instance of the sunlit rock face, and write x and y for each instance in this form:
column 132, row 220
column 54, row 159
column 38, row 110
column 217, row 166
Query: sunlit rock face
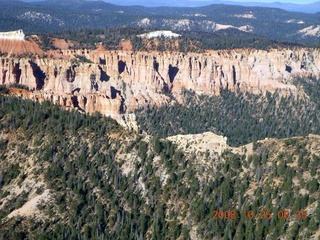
column 254, row 71
column 117, row 82
column 14, row 35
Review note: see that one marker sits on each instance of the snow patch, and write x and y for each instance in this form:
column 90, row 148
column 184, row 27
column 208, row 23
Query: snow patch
column 46, row 18
column 246, row 28
column 223, row 27
column 295, row 21
column 313, row 31
column 156, row 34
column 248, row 15
column 144, row 22
column 199, row 15
column 187, row 24
column 182, row 24
column 194, row 15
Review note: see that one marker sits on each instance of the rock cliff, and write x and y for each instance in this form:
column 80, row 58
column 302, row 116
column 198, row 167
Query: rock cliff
column 14, row 35
column 252, row 71
column 118, row 82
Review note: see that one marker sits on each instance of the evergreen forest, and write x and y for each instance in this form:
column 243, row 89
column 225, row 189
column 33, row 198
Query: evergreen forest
column 69, row 175
column 242, row 117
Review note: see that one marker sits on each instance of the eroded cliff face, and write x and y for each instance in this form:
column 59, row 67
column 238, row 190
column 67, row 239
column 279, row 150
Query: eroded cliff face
column 118, row 82
column 15, row 47
column 252, row 71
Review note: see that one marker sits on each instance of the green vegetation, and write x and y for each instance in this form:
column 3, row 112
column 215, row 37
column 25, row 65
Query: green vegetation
column 80, row 59
column 56, row 16
column 229, row 39
column 21, row 86
column 190, row 41
column 242, row 117
column 4, row 89
column 106, row 183
column 88, row 38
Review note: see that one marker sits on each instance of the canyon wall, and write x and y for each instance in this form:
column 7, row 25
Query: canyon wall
column 248, row 70
column 118, row 82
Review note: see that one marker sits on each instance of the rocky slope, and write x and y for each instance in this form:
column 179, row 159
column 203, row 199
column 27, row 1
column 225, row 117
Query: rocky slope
column 69, row 175
column 20, row 47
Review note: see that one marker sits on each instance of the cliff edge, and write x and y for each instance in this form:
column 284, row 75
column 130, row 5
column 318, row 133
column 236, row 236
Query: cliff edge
column 117, row 82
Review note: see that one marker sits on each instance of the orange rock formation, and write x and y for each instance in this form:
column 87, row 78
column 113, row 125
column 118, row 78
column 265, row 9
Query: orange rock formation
column 19, row 47
column 119, row 82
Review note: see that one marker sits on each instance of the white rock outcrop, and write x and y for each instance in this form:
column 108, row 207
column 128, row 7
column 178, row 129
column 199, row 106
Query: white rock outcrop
column 14, row 35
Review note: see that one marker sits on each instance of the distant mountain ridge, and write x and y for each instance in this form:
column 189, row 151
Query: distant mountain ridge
column 306, row 8
column 52, row 16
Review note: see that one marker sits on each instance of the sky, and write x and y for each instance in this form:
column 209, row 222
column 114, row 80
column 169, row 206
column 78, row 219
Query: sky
column 283, row 1
column 266, row 1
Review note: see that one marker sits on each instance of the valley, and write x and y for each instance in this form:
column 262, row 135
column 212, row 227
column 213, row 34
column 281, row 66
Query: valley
column 142, row 186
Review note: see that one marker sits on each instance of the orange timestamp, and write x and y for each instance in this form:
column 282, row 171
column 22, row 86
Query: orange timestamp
column 262, row 214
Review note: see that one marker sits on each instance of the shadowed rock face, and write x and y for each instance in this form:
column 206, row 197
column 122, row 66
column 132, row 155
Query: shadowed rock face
column 16, row 72
column 38, row 74
column 103, row 75
column 114, row 92
column 4, row 74
column 125, row 81
column 173, row 71
column 121, row 66
column 71, row 74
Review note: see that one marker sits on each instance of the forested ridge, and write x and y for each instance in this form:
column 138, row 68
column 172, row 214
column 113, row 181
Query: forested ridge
column 103, row 182
column 189, row 41
column 55, row 16
column 242, row 117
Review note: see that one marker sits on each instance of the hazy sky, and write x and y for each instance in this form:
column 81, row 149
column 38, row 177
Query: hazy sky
column 267, row 1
